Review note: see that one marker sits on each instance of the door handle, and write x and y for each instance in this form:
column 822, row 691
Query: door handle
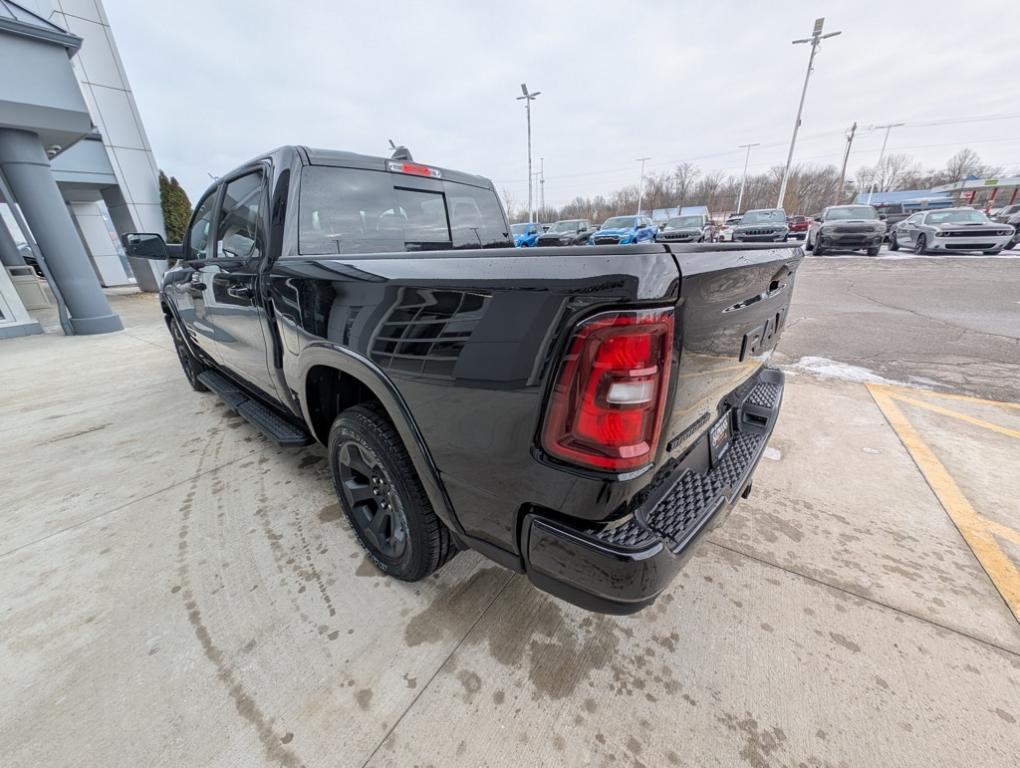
column 239, row 291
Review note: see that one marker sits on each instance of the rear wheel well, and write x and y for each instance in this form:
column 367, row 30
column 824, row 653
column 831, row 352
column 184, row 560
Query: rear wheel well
column 328, row 392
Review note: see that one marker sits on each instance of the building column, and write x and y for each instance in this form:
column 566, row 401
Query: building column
column 110, row 267
column 27, row 170
column 148, row 273
column 9, row 254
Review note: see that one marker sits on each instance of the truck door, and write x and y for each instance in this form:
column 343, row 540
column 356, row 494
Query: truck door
column 187, row 288
column 230, row 310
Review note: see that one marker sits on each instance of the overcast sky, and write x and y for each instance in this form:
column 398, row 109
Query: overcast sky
column 218, row 82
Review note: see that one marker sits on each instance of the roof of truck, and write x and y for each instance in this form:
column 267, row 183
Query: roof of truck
column 342, row 159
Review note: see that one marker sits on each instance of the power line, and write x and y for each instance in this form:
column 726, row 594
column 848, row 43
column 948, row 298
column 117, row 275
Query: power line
column 623, row 170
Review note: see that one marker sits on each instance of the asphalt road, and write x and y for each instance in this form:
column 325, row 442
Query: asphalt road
column 176, row 591
column 950, row 323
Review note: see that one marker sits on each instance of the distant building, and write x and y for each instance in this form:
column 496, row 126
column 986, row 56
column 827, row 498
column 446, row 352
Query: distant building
column 909, row 199
column 76, row 168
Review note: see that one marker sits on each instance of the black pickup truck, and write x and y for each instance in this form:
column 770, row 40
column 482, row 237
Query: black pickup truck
column 581, row 415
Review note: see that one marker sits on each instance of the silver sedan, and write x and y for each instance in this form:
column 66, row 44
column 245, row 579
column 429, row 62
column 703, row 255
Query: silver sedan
column 950, row 229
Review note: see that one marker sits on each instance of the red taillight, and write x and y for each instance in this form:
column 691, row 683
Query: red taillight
column 415, row 169
column 607, row 406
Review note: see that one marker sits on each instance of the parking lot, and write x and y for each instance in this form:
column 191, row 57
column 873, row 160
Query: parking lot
column 178, row 591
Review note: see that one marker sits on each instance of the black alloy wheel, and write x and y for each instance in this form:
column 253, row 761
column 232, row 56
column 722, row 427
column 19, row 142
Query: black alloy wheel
column 894, row 244
column 921, row 245
column 383, row 499
column 374, row 504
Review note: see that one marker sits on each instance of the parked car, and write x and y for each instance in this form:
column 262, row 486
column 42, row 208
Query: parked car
column 526, row 235
column 951, row 229
column 566, row 232
column 725, row 232
column 691, row 228
column 621, row 230
column 765, row 225
column 28, row 256
column 798, row 226
column 892, row 214
column 1010, row 215
column 846, row 227
column 364, row 302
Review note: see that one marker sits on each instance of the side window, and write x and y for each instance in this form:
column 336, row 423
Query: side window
column 197, row 246
column 237, row 231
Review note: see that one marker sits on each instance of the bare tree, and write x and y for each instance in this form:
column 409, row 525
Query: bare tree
column 685, row 175
column 510, row 205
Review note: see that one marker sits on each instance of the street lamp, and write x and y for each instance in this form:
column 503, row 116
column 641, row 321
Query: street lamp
column 881, row 155
column 815, row 39
column 743, row 179
column 641, row 183
column 527, row 98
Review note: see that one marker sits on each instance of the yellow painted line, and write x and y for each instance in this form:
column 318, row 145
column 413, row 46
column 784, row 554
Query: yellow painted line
column 1002, row 531
column 974, row 528
column 954, row 396
column 957, row 415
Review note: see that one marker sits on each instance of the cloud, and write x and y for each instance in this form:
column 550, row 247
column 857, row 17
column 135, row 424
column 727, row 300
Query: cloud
column 217, row 83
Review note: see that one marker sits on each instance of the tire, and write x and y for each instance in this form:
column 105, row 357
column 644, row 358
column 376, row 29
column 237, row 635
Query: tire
column 819, row 248
column 921, row 245
column 382, row 497
column 808, row 245
column 894, row 244
column 874, row 249
column 190, row 364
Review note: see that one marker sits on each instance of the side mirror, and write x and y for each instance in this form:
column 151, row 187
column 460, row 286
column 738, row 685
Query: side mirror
column 145, row 245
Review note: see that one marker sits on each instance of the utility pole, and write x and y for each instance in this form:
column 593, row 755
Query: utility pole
column 527, row 98
column 846, row 156
column 641, row 184
column 743, row 179
column 541, row 185
column 881, row 156
column 815, row 39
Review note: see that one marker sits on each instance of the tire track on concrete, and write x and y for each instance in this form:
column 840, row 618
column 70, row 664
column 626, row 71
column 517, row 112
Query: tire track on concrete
column 244, row 702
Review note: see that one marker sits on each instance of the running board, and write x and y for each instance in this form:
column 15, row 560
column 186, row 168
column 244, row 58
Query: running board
column 274, row 426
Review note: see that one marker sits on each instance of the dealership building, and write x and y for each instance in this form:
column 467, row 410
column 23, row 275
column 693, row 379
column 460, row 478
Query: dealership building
column 76, row 168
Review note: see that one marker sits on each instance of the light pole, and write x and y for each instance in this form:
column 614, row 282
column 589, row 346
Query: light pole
column 815, row 39
column 881, row 155
column 743, row 179
column 541, row 186
column 641, row 183
column 846, row 157
column 527, row 98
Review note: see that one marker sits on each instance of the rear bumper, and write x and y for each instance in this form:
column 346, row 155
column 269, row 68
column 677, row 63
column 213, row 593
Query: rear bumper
column 622, row 568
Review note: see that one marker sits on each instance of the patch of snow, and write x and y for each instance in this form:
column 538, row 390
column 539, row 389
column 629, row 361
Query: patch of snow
column 772, row 454
column 831, row 369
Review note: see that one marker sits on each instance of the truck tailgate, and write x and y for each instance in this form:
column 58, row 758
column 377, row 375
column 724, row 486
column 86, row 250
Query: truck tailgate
column 731, row 310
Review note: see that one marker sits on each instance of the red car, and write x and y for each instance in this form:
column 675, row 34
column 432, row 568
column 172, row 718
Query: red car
column 798, row 226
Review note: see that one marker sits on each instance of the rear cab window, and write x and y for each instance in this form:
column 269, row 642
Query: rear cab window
column 354, row 211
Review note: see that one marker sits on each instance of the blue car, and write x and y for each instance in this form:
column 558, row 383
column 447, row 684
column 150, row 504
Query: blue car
column 525, row 235
column 621, row 230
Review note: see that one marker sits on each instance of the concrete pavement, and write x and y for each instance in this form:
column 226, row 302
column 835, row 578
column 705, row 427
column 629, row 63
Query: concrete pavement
column 178, row 591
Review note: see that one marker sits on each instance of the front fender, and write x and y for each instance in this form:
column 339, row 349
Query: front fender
column 368, row 373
